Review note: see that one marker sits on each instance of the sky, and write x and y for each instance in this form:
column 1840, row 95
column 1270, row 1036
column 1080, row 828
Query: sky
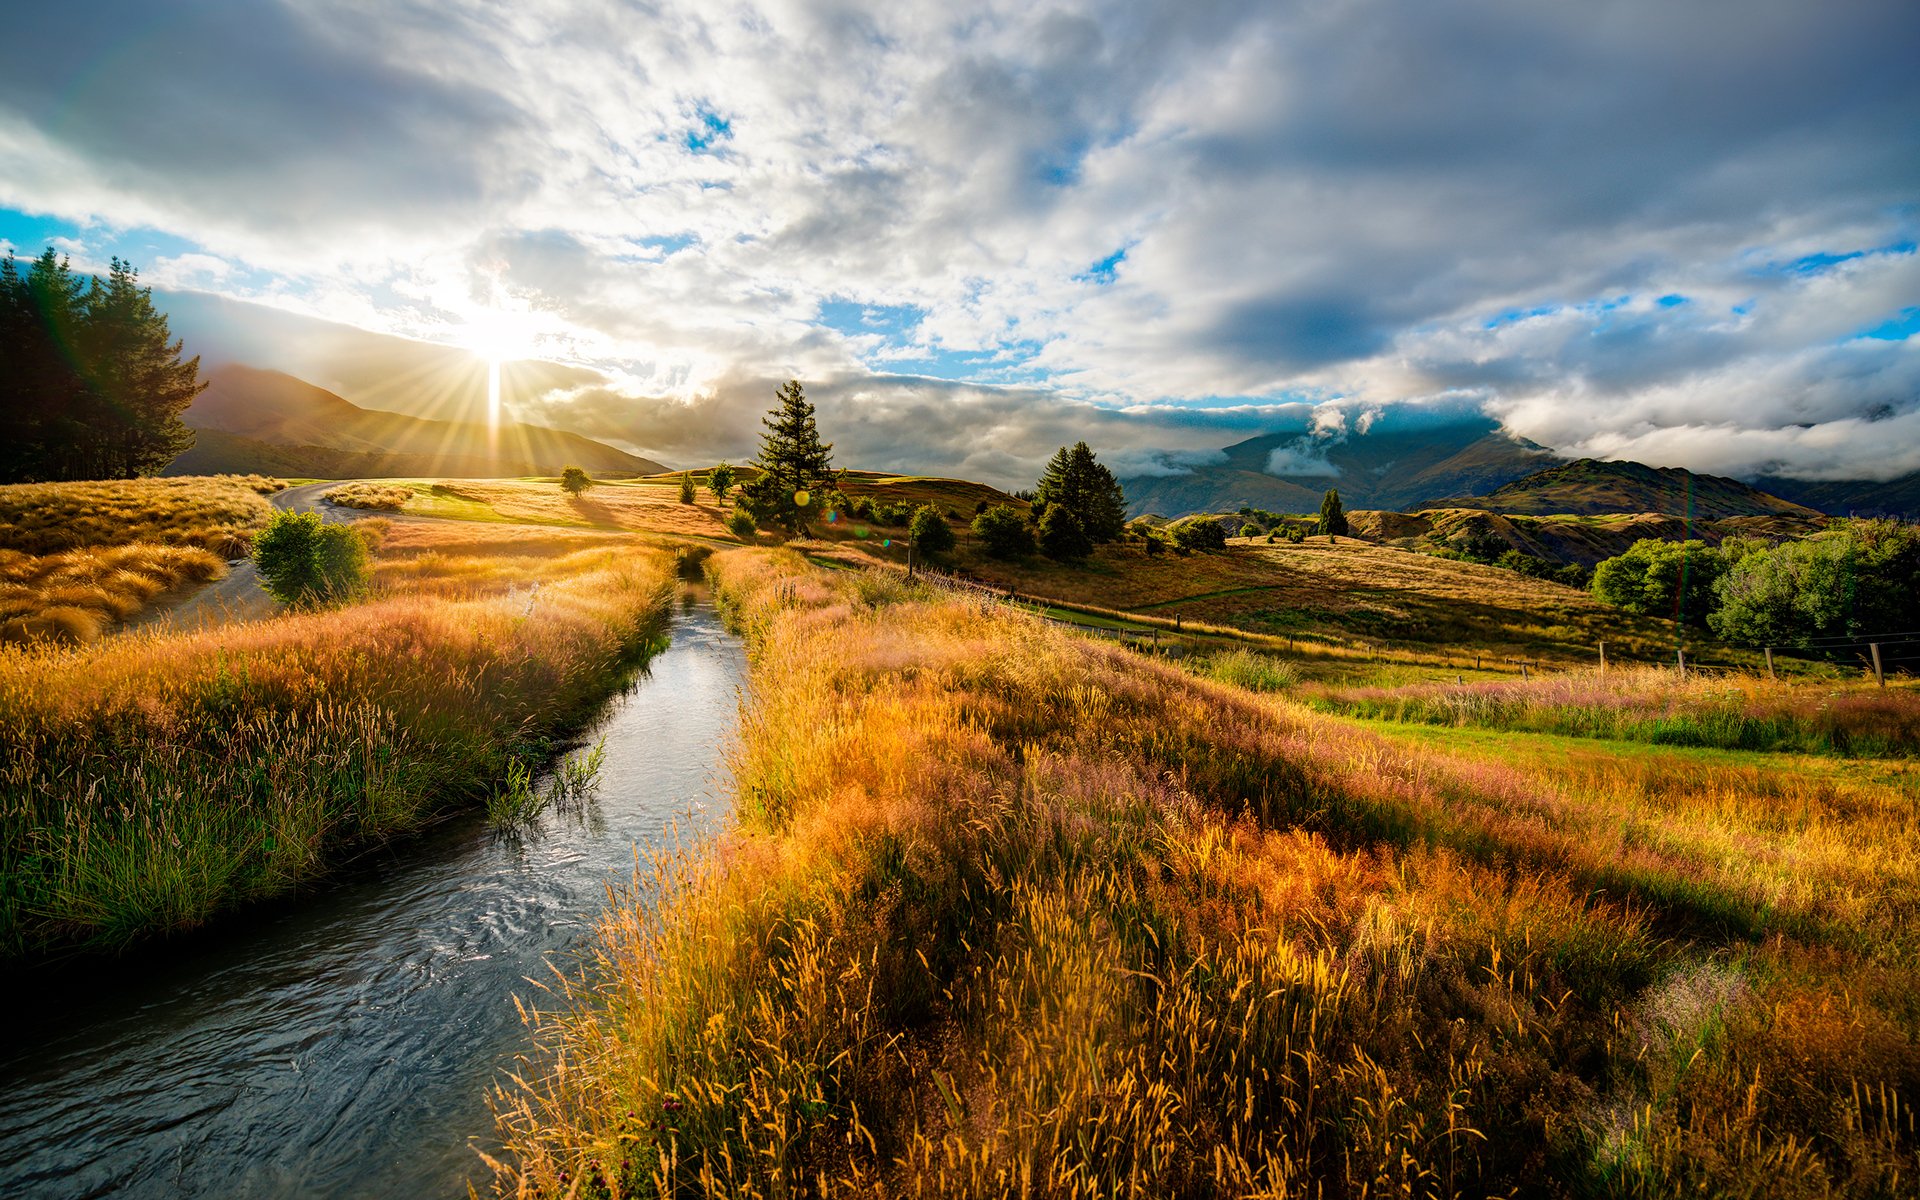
column 1679, row 233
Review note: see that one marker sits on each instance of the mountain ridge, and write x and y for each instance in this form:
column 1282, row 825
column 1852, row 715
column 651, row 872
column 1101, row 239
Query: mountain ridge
column 1590, row 487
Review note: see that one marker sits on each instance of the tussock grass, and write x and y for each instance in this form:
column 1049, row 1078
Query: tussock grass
column 217, row 513
column 386, row 497
column 75, row 596
column 1009, row 912
column 150, row 782
column 1733, row 712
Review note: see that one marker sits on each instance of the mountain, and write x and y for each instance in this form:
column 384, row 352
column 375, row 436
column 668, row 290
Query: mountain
column 1588, row 487
column 1561, row 537
column 254, row 420
column 1382, row 467
column 1864, row 497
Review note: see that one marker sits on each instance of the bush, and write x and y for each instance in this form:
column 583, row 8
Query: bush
column 894, row 516
column 930, row 531
column 1199, row 533
column 1250, row 530
column 573, row 480
column 1062, row 537
column 1153, row 545
column 1003, row 531
column 305, row 562
column 861, row 509
column 1661, row 579
column 686, row 487
column 742, row 525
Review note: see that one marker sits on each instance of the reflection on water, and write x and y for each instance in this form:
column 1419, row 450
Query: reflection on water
column 344, row 1045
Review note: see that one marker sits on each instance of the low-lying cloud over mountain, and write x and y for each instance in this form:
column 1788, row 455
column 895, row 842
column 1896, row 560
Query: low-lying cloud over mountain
column 1679, row 233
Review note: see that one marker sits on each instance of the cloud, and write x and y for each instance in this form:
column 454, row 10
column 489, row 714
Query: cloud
column 1358, row 206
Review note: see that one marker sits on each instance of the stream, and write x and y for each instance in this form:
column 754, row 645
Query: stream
column 343, row 1044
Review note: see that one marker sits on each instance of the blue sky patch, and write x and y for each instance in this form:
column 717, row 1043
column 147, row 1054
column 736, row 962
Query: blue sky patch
column 712, row 128
column 1102, row 272
column 1896, row 329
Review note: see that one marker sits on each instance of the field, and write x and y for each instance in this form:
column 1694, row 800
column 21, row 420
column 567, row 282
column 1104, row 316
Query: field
column 76, row 559
column 234, row 763
column 1009, row 911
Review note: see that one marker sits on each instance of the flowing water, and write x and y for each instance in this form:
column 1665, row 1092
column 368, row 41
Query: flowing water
column 343, row 1044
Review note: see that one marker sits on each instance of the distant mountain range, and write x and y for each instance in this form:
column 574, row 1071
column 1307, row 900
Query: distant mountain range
column 1390, row 469
column 1471, row 463
column 251, row 420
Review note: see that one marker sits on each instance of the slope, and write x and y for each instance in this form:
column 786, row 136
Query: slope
column 1589, row 487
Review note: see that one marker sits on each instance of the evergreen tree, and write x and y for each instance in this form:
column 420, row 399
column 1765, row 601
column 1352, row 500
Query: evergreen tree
column 793, row 461
column 1062, row 537
column 94, row 385
column 1076, row 481
column 687, row 494
column 1333, row 517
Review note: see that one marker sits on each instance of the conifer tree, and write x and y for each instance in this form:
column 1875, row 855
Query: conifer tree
column 793, row 461
column 1333, row 518
column 1076, row 481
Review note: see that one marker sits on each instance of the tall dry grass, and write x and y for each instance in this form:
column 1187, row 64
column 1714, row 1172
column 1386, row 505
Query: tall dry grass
column 218, row 513
column 1011, row 913
column 149, row 782
column 77, row 595
column 382, row 496
column 1653, row 704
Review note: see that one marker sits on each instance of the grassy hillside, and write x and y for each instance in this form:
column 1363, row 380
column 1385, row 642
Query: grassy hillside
column 1007, row 911
column 1590, row 487
column 314, row 433
column 1899, row 497
column 1564, row 538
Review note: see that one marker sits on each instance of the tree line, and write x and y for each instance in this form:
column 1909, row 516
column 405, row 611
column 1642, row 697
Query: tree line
column 94, row 383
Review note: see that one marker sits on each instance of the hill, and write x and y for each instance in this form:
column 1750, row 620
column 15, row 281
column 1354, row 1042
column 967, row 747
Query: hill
column 1589, row 487
column 1379, row 468
column 1564, row 538
column 251, row 420
column 1849, row 497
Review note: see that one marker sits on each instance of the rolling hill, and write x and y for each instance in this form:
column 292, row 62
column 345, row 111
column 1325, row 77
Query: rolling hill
column 1589, row 487
column 252, row 420
column 1843, row 497
column 1380, row 468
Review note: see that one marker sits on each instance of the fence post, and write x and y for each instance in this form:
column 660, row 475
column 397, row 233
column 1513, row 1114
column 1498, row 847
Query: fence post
column 1879, row 676
column 1603, row 658
column 1680, row 656
column 1770, row 674
column 1523, row 670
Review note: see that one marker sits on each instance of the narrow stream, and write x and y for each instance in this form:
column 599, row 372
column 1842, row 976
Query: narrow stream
column 343, row 1045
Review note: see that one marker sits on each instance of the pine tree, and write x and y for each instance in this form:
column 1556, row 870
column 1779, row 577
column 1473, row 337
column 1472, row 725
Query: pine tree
column 137, row 380
column 1333, row 518
column 793, row 461
column 1076, row 481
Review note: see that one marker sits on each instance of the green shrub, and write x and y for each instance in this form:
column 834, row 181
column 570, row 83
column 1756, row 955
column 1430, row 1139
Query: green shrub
column 1003, row 531
column 1062, row 537
column 1250, row 530
column 686, row 487
column 742, row 525
column 304, row 561
column 1661, row 579
column 931, row 533
column 1199, row 533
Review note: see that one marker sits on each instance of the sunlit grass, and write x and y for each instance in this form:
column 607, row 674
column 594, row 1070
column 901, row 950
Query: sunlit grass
column 76, row 595
column 1011, row 912
column 217, row 513
column 382, row 496
column 151, row 781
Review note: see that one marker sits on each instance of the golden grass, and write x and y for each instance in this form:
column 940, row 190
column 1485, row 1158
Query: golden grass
column 217, row 513
column 1009, row 912
column 152, row 781
column 386, row 497
column 76, row 595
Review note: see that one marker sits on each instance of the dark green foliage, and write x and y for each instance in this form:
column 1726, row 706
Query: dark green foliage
column 792, row 460
column 1152, row 544
column 1003, row 531
column 930, row 531
column 837, row 502
column 741, row 524
column 1333, row 517
column 1075, row 480
column 575, row 481
column 91, row 381
column 1250, row 530
column 1199, row 533
column 1655, row 578
column 1859, row 580
column 720, row 482
column 1571, row 574
column 893, row 516
column 862, row 509
column 305, row 562
column 1062, row 537
column 687, row 493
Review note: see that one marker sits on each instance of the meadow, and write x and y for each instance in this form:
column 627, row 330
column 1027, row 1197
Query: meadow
column 153, row 780
column 78, row 559
column 1008, row 911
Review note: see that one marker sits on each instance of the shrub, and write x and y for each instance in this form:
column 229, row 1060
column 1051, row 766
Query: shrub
column 930, row 531
column 1250, row 530
column 742, row 525
column 1661, row 579
column 720, row 482
column 1199, row 533
column 1003, row 531
column 1152, row 544
column 861, row 509
column 574, row 480
column 1062, row 537
column 304, row 562
column 686, row 487
column 894, row 515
